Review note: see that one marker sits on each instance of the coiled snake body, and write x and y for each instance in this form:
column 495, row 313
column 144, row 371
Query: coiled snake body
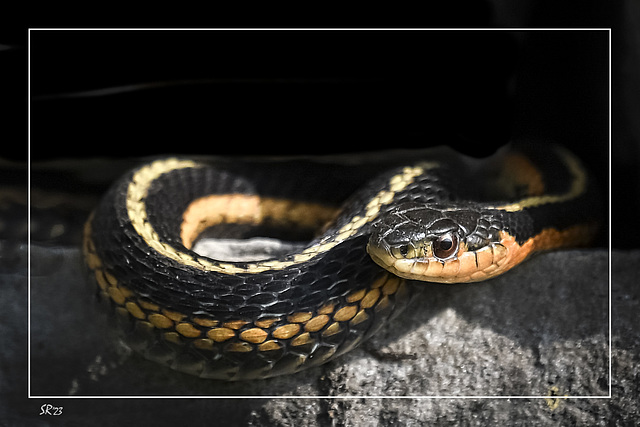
column 446, row 218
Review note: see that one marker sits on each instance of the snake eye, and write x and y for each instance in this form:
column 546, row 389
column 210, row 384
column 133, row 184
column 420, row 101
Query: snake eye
column 445, row 246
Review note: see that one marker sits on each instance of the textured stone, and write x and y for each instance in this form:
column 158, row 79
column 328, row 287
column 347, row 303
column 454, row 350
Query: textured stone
column 539, row 330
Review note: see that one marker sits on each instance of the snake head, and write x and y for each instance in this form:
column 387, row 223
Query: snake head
column 436, row 243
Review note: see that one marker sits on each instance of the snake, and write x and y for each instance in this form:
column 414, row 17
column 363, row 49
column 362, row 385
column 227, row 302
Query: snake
column 371, row 238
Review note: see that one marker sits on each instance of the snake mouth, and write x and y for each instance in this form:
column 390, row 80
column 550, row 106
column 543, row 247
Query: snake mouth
column 462, row 267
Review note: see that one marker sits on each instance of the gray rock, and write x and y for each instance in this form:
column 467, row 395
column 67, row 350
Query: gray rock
column 540, row 331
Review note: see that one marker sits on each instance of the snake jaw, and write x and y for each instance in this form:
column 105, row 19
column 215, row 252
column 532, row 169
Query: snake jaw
column 466, row 266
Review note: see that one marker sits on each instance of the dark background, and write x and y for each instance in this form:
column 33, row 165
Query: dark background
column 266, row 92
column 133, row 93
column 124, row 94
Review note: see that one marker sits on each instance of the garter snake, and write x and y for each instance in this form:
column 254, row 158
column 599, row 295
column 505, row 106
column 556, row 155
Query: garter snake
column 447, row 218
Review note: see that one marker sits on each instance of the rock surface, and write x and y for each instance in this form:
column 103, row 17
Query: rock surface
column 539, row 331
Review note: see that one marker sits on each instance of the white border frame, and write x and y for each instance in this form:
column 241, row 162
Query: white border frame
column 30, row 396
